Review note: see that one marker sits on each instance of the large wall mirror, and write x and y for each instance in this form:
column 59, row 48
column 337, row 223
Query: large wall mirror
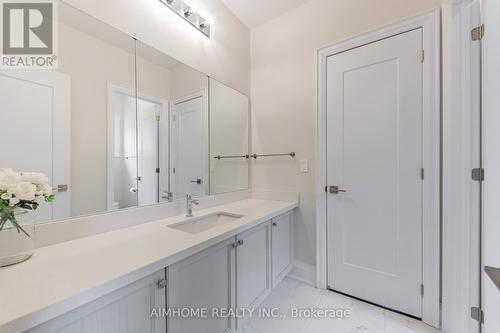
column 119, row 124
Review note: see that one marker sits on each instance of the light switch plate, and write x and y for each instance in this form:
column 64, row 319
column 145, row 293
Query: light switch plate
column 304, row 166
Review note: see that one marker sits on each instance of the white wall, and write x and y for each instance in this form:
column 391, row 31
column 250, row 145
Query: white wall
column 228, row 136
column 186, row 81
column 225, row 56
column 491, row 125
column 283, row 84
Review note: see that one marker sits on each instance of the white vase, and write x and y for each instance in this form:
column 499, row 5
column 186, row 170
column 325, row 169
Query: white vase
column 17, row 244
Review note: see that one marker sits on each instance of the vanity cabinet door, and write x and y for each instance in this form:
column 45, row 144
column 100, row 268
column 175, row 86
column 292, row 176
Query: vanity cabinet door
column 281, row 246
column 253, row 266
column 202, row 281
column 126, row 310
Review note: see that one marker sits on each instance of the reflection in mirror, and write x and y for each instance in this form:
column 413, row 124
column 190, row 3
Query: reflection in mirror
column 57, row 118
column 119, row 124
column 229, row 132
column 172, row 128
column 96, row 57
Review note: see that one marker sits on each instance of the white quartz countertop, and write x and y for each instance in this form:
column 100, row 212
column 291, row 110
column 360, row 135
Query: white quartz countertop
column 64, row 276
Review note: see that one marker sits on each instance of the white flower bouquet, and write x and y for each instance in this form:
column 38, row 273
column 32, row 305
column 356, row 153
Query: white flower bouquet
column 26, row 190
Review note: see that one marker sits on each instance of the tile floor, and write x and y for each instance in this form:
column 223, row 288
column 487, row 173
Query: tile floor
column 364, row 318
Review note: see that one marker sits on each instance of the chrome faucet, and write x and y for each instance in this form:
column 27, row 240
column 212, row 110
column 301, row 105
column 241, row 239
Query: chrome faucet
column 189, row 205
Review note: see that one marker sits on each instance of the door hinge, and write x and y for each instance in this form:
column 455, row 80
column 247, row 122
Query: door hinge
column 161, row 283
column 478, row 174
column 169, row 196
column 478, row 33
column 326, row 189
column 477, row 314
column 422, row 290
column 157, row 170
column 422, row 56
column 422, row 173
column 61, row 188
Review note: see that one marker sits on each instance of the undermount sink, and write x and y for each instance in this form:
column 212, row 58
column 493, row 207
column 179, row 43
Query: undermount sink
column 202, row 223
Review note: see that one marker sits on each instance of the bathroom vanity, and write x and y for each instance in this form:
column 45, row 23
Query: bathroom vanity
column 125, row 133
column 112, row 281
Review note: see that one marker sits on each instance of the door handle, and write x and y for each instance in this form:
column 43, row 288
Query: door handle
column 334, row 189
column 197, row 181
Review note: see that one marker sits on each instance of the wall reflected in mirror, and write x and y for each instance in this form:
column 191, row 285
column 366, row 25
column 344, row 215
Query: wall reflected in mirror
column 96, row 57
column 119, row 124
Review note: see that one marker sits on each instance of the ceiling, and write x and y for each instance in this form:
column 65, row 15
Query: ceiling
column 255, row 12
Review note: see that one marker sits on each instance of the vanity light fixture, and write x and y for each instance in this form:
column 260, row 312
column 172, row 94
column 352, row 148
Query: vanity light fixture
column 189, row 15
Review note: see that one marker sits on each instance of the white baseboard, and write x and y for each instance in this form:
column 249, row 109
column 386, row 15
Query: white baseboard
column 284, row 274
column 303, row 272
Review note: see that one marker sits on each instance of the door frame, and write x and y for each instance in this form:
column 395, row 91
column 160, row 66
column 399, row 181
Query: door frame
column 461, row 251
column 162, row 135
column 429, row 22
column 203, row 94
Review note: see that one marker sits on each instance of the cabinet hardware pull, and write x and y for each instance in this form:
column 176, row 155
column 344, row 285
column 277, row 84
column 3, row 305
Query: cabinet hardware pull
column 240, row 242
column 275, row 224
column 161, row 283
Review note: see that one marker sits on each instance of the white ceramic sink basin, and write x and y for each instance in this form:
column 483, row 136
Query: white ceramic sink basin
column 196, row 225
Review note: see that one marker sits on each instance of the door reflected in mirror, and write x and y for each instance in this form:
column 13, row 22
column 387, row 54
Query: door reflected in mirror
column 180, row 155
column 134, row 148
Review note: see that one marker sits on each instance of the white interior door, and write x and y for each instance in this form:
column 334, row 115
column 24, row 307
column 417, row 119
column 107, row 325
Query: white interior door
column 35, row 129
column 148, row 152
column 189, row 148
column 374, row 154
